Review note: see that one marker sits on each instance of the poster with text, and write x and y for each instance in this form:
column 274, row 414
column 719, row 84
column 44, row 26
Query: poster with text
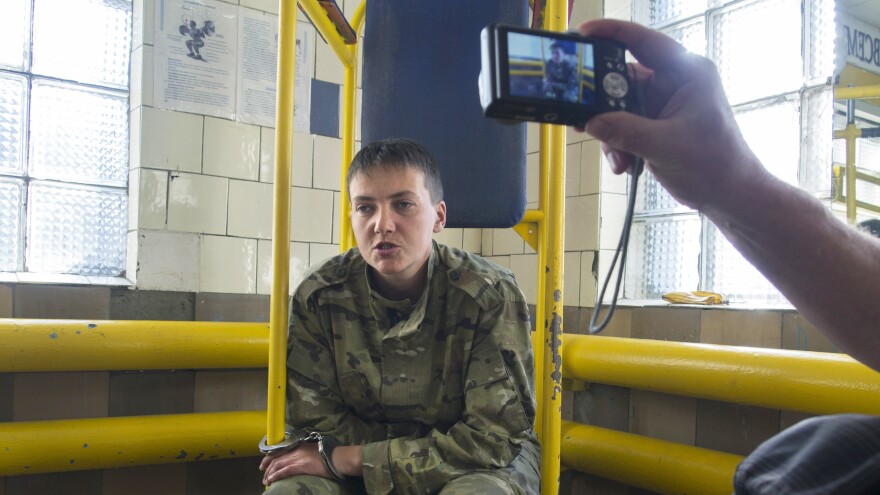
column 305, row 70
column 195, row 56
column 257, row 70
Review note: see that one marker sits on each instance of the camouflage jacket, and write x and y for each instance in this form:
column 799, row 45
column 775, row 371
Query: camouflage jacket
column 445, row 391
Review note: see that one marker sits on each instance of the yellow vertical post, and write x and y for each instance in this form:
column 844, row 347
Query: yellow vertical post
column 281, row 221
column 541, row 322
column 852, row 133
column 556, row 19
column 349, row 88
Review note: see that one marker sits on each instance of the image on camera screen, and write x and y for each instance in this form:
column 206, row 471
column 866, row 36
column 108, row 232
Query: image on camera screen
column 551, row 69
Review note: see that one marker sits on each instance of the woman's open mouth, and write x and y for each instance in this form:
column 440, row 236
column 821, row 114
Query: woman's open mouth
column 384, row 248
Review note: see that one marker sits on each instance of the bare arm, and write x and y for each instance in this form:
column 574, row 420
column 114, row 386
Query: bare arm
column 827, row 269
column 691, row 142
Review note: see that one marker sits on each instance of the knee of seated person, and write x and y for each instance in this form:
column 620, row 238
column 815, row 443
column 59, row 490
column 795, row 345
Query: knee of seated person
column 482, row 483
column 311, row 485
column 826, row 454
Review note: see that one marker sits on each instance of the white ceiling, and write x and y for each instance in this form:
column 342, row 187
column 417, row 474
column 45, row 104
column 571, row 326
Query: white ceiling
column 867, row 11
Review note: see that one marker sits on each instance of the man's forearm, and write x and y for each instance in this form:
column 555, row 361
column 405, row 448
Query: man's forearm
column 818, row 262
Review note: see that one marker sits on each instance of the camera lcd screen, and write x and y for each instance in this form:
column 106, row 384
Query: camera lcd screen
column 551, row 69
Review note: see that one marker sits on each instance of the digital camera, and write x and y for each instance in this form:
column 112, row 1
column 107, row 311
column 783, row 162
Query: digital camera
column 551, row 77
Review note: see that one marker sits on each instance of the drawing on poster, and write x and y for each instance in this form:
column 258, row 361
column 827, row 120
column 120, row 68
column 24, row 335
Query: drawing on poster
column 195, row 56
column 217, row 59
column 196, row 36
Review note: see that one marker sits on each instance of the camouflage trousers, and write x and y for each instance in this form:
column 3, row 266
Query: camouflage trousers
column 477, row 483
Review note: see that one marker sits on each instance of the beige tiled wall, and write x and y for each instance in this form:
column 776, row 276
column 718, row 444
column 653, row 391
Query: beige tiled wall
column 207, row 180
column 200, row 186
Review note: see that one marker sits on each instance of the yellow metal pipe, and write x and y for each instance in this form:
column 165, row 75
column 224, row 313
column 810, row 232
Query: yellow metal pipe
column 852, row 133
column 93, row 345
column 348, row 115
column 656, row 465
column 349, row 88
column 528, row 229
column 812, row 382
column 863, row 92
column 556, row 19
column 552, row 349
column 540, row 334
column 533, row 216
column 31, row 447
column 275, row 406
column 357, row 19
column 327, row 29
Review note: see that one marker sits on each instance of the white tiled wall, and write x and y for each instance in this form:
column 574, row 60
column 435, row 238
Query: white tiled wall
column 613, row 211
column 311, row 215
column 250, row 209
column 533, row 168
column 270, row 6
column 228, row 264
column 167, row 260
column 320, row 252
column 572, row 169
column 591, row 168
column 588, row 284
column 581, row 228
column 327, row 163
column 231, row 149
column 201, row 187
column 450, row 237
column 169, row 140
column 328, row 67
column 197, row 203
column 303, row 147
column 204, row 186
column 337, row 209
column 472, row 240
column 150, row 201
column 525, row 268
column 299, row 264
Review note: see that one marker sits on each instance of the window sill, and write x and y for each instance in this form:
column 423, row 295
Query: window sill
column 62, row 279
column 646, row 303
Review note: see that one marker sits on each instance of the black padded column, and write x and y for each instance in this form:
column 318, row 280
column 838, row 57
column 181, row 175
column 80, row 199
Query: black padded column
column 421, row 62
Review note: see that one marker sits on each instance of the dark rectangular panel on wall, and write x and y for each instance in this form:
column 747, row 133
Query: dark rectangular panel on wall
column 421, row 62
column 324, row 114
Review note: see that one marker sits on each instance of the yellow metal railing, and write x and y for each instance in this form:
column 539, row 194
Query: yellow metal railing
column 812, row 382
column 839, row 174
column 851, row 133
column 83, row 345
column 656, row 465
column 31, row 447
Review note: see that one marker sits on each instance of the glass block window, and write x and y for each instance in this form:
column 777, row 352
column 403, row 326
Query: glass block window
column 64, row 74
column 867, row 156
column 674, row 261
column 786, row 114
